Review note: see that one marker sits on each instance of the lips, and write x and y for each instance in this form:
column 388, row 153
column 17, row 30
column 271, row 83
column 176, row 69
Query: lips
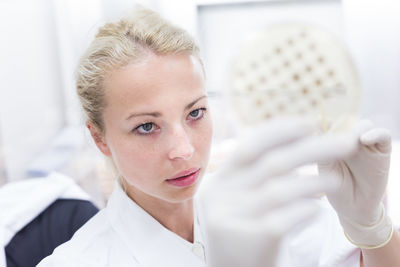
column 184, row 173
column 184, row 178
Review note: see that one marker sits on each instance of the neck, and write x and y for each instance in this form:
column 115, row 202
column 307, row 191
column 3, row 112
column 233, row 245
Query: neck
column 176, row 217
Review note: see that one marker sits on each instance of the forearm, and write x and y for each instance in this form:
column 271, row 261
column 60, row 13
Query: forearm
column 387, row 256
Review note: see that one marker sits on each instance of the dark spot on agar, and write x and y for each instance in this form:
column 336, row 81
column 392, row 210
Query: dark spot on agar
column 262, row 79
column 326, row 94
column 271, row 93
column 313, row 103
column 286, row 63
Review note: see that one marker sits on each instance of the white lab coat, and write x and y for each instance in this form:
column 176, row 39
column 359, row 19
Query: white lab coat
column 123, row 234
column 22, row 201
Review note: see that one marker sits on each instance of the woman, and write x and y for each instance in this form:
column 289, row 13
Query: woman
column 141, row 84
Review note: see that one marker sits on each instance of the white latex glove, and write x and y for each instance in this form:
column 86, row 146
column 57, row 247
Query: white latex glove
column 363, row 178
column 253, row 201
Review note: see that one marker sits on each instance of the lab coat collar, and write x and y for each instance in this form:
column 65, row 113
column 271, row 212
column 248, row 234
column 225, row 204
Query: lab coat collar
column 149, row 242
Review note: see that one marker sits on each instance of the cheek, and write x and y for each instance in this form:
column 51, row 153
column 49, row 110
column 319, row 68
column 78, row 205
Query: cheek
column 134, row 158
column 204, row 137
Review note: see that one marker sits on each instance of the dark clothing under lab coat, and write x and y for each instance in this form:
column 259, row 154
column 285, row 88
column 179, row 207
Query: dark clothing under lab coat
column 51, row 228
column 39, row 214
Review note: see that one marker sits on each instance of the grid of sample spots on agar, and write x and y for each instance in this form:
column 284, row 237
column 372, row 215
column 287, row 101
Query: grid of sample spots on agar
column 291, row 70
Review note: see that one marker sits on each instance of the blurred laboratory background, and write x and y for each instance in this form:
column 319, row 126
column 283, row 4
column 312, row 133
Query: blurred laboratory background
column 331, row 60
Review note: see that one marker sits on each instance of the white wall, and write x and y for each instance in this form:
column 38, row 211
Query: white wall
column 76, row 22
column 31, row 107
column 373, row 34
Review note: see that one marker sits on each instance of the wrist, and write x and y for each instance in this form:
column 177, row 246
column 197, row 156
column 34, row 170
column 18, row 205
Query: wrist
column 369, row 236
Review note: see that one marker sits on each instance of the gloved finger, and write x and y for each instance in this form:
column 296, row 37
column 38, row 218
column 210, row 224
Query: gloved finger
column 325, row 165
column 284, row 219
column 277, row 193
column 342, row 124
column 275, row 223
column 379, row 138
column 257, row 240
column 362, row 127
column 294, row 188
column 267, row 136
column 309, row 150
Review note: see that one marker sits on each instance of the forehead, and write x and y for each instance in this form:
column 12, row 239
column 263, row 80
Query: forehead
column 156, row 79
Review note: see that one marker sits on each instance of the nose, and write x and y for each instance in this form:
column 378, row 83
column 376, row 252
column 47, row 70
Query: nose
column 181, row 145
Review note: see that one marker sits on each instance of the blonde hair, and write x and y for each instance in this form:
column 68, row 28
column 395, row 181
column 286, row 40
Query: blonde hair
column 120, row 43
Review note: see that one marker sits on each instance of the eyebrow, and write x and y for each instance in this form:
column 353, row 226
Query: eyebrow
column 158, row 114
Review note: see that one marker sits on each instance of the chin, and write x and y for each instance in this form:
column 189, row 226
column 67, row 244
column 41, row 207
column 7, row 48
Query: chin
column 183, row 194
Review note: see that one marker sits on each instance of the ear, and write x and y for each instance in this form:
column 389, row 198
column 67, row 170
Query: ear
column 98, row 138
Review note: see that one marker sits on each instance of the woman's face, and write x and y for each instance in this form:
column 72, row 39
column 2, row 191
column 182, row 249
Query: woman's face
column 157, row 126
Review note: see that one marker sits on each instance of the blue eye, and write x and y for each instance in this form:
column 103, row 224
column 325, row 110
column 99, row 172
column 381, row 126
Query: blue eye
column 145, row 128
column 150, row 128
column 197, row 113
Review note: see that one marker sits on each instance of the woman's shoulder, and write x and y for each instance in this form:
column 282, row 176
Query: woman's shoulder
column 94, row 244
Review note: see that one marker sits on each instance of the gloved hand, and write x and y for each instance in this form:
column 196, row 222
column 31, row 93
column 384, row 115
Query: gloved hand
column 363, row 178
column 254, row 200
